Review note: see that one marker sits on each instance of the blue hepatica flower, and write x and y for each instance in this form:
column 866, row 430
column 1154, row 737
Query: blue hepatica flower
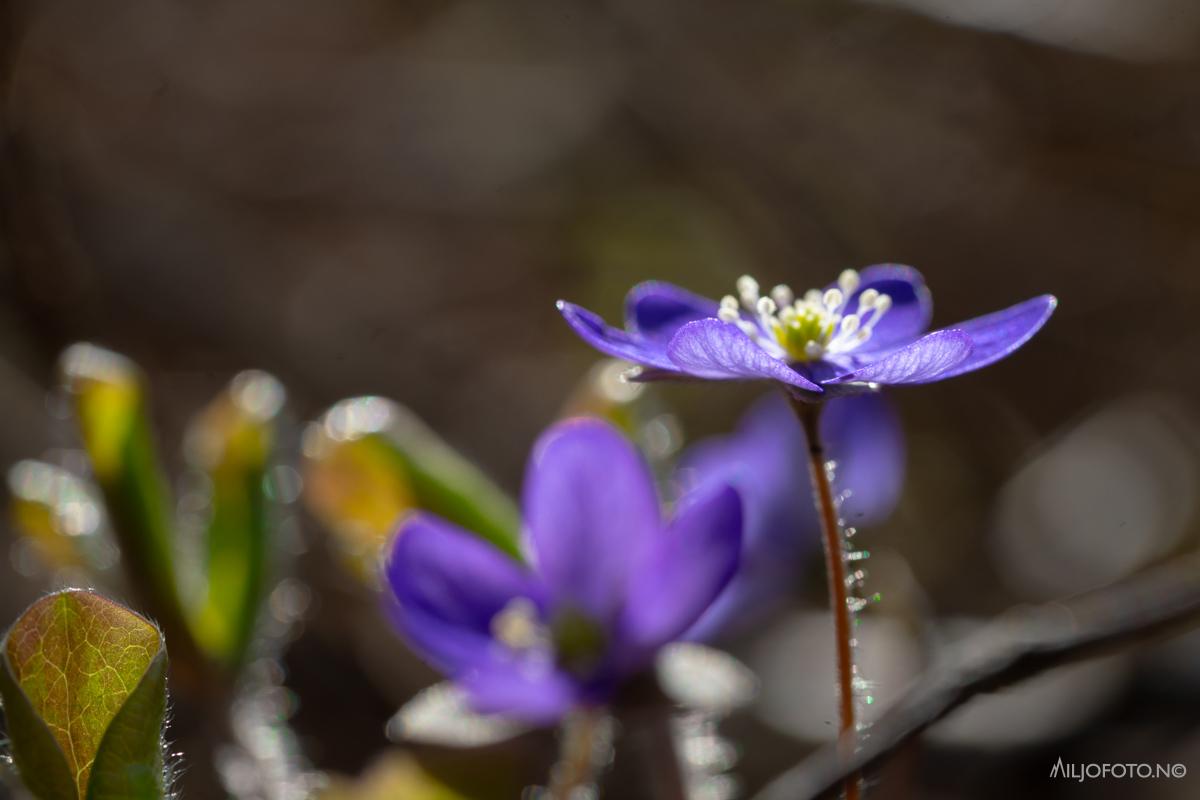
column 867, row 329
column 765, row 460
column 610, row 581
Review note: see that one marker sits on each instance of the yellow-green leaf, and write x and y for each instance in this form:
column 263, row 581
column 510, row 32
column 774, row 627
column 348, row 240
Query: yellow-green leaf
column 231, row 442
column 71, row 665
column 110, row 408
column 370, row 460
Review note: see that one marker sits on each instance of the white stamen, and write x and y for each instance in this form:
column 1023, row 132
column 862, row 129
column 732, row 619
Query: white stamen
column 748, row 290
column 818, row 325
column 882, row 304
column 848, row 281
column 783, row 295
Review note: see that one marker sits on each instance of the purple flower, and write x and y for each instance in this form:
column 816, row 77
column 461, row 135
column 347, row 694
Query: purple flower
column 865, row 330
column 610, row 580
column 765, row 460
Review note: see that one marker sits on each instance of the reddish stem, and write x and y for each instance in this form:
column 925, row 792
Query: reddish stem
column 835, row 571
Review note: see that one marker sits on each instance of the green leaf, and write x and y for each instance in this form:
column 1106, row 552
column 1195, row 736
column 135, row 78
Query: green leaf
column 370, row 460
column 83, row 683
column 232, row 441
column 129, row 763
column 110, row 408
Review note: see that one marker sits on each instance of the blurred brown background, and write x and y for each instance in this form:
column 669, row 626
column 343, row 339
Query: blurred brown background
column 387, row 197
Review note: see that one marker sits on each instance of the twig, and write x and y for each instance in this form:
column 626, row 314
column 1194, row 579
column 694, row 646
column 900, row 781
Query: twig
column 1019, row 644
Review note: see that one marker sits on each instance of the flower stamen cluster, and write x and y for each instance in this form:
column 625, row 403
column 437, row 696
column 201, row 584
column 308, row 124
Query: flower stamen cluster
column 806, row 328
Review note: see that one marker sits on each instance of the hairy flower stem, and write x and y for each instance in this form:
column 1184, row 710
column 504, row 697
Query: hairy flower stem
column 835, row 570
column 576, row 766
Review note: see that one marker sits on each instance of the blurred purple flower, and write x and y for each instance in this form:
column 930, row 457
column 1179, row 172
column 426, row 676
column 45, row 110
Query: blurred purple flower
column 611, row 581
column 765, row 460
column 865, row 329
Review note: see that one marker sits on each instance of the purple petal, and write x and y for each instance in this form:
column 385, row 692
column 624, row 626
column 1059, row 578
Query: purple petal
column 614, row 341
column 685, row 571
column 718, row 350
column 448, row 584
column 590, row 504
column 927, row 359
column 532, row 692
column 765, row 460
column 655, row 309
column 997, row 335
column 863, row 436
column 912, row 305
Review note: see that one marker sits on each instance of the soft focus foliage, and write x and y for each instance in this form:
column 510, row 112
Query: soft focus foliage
column 369, row 461
column 372, row 197
column 232, row 442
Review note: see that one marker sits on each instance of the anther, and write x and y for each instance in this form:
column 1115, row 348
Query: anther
column 866, row 300
column 848, row 281
column 833, row 299
column 783, row 295
column 727, row 314
column 765, row 306
column 748, row 290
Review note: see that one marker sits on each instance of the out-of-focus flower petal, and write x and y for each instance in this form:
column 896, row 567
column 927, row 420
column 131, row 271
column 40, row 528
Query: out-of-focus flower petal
column 590, row 505
column 863, row 436
column 766, row 461
column 656, row 309
column 535, row 693
column 995, row 336
column 448, row 585
column 680, row 576
column 912, row 305
column 716, row 350
column 614, row 341
column 927, row 359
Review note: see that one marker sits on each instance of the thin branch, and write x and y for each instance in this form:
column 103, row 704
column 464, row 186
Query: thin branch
column 1020, row 644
